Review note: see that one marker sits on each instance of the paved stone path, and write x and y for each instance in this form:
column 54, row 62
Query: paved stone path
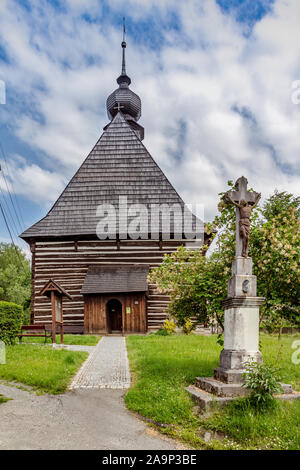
column 78, row 419
column 90, row 416
column 106, row 367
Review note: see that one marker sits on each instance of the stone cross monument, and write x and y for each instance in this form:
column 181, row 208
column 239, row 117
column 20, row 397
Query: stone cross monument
column 241, row 322
column 241, row 317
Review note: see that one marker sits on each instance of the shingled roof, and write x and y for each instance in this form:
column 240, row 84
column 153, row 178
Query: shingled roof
column 118, row 165
column 117, row 278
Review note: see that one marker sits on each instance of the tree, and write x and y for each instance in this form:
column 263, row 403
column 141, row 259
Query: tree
column 276, row 254
column 197, row 284
column 193, row 283
column 14, row 276
column 280, row 203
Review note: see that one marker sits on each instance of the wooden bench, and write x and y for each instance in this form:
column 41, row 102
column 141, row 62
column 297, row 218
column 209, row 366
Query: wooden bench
column 34, row 331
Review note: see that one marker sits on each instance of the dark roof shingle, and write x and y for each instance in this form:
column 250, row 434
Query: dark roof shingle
column 118, row 165
column 115, row 279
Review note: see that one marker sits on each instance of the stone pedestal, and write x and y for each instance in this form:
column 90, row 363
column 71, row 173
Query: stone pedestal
column 241, row 323
column 241, row 338
column 241, row 342
column 241, row 320
column 241, row 334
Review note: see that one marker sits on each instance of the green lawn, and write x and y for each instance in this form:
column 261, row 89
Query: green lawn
column 3, row 399
column 87, row 340
column 43, row 368
column 163, row 366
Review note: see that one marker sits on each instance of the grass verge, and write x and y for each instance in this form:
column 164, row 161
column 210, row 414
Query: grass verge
column 41, row 367
column 163, row 366
column 3, row 399
column 83, row 340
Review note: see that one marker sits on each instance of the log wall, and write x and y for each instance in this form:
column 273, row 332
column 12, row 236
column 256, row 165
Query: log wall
column 67, row 263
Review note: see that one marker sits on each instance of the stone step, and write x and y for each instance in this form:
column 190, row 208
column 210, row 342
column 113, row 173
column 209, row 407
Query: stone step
column 287, row 388
column 207, row 400
column 220, row 389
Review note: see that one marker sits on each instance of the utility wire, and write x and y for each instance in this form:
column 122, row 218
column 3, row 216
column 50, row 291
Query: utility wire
column 11, row 199
column 13, row 228
column 11, row 237
column 8, row 211
column 7, row 225
column 15, row 206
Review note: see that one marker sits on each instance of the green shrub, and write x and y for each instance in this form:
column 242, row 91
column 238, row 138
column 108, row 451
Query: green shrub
column 262, row 381
column 161, row 332
column 11, row 319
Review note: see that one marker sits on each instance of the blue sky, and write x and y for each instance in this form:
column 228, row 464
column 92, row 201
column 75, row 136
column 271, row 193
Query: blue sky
column 215, row 79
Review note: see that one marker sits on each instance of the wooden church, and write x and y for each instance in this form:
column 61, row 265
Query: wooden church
column 106, row 278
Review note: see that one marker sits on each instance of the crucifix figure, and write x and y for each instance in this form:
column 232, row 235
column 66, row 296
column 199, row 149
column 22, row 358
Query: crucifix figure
column 244, row 201
column 118, row 107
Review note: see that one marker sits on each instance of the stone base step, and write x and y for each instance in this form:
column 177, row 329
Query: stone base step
column 221, row 389
column 207, row 400
column 229, row 376
column 286, row 388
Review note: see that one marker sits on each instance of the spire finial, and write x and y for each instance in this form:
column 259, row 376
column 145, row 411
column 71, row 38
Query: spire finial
column 123, row 80
column 123, row 99
column 123, row 48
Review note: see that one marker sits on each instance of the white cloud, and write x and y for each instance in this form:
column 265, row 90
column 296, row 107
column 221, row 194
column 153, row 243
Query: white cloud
column 34, row 182
column 231, row 93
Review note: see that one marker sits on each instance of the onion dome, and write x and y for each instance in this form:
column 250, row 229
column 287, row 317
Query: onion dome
column 123, row 99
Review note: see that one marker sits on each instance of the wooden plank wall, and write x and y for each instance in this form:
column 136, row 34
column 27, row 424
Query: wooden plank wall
column 136, row 319
column 67, row 263
column 95, row 309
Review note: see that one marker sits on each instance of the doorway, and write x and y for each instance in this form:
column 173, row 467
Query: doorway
column 114, row 316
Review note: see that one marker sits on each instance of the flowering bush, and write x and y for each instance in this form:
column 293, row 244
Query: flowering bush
column 169, row 326
column 188, row 327
column 276, row 254
column 196, row 283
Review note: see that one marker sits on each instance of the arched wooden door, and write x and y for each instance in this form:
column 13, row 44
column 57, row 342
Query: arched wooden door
column 114, row 316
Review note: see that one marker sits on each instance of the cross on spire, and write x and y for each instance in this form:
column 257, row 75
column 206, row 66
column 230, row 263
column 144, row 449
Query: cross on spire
column 118, row 107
